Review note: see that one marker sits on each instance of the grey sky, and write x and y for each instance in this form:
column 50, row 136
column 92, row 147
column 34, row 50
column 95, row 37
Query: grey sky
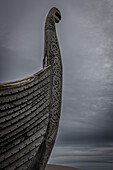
column 85, row 36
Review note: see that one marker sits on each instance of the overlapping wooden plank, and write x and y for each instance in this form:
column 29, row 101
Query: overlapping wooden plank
column 25, row 111
column 20, row 137
column 21, row 85
column 18, row 101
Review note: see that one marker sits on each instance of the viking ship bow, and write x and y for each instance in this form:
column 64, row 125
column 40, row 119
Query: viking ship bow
column 30, row 109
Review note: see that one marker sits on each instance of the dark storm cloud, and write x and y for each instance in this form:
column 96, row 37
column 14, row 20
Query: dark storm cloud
column 86, row 39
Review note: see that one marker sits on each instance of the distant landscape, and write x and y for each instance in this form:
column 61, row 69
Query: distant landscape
column 59, row 167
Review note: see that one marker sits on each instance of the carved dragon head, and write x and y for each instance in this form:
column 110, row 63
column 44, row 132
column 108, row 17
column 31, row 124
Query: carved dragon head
column 55, row 14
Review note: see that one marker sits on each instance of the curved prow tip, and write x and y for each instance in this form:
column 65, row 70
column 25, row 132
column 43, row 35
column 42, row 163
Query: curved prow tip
column 55, row 13
column 54, row 16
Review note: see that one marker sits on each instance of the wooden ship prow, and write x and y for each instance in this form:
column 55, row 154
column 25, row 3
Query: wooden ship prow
column 30, row 109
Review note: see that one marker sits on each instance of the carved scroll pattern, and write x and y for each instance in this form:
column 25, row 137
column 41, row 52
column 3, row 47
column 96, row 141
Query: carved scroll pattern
column 56, row 91
column 56, row 83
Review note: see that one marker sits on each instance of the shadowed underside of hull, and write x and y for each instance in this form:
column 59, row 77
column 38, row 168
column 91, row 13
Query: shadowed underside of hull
column 30, row 110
